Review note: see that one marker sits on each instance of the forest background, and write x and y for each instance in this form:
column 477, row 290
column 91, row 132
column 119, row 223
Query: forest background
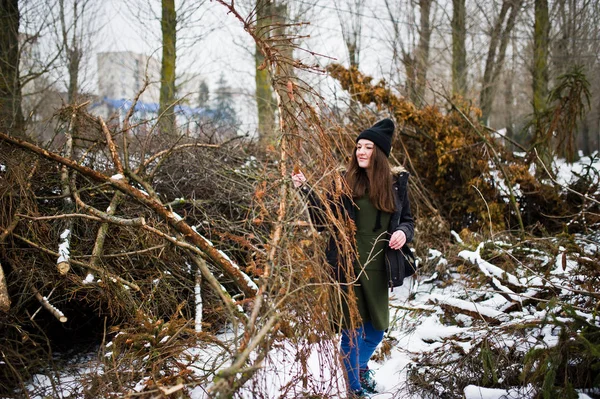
column 150, row 231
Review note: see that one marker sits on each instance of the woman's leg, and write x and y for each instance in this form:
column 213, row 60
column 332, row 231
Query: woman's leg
column 351, row 341
column 370, row 339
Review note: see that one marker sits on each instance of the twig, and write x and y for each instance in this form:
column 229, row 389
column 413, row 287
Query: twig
column 49, row 307
column 141, row 251
column 140, row 221
column 111, row 146
column 62, row 216
column 488, row 209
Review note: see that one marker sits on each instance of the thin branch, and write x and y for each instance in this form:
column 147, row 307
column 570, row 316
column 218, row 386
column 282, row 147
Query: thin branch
column 130, row 253
column 49, row 307
column 111, row 146
column 78, row 263
column 140, row 221
column 62, row 216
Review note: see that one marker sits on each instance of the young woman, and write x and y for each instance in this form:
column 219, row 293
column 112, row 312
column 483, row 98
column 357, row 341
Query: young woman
column 380, row 210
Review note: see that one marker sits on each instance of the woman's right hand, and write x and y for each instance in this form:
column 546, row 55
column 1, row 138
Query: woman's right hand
column 298, row 179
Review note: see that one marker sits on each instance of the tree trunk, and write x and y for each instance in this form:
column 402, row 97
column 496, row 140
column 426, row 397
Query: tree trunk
column 540, row 56
column 509, row 109
column 499, row 40
column 72, row 49
column 422, row 52
column 168, row 24
column 351, row 24
column 459, row 51
column 11, row 116
column 540, row 78
column 264, row 93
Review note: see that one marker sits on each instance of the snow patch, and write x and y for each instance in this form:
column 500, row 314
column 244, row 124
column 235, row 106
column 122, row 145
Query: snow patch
column 456, row 237
column 88, row 279
column 63, row 248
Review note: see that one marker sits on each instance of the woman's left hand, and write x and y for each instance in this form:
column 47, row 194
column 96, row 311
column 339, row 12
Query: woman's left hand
column 398, row 239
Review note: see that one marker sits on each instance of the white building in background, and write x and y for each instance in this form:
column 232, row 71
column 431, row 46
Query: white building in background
column 121, row 76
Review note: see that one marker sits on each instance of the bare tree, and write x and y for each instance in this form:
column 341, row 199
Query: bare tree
column 499, row 39
column 414, row 57
column 459, row 50
column 351, row 22
column 11, row 116
column 540, row 55
column 539, row 70
column 168, row 25
column 575, row 40
column 265, row 102
column 76, row 30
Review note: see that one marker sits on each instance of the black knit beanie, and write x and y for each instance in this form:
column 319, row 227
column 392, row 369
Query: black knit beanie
column 381, row 134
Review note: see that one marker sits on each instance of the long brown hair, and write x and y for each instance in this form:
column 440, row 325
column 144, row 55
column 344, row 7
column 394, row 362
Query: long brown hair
column 376, row 179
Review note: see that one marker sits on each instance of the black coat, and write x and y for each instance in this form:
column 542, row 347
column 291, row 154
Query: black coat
column 397, row 261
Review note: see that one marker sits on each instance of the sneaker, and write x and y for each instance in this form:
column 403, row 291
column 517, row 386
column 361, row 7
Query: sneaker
column 367, row 382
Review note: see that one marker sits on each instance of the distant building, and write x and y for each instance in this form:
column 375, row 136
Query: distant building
column 121, row 75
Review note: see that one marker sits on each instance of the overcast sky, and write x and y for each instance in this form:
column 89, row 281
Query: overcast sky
column 213, row 42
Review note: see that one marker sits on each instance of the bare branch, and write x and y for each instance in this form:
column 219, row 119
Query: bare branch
column 49, row 307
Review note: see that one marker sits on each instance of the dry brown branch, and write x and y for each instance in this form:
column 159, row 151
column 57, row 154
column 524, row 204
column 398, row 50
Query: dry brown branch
column 63, row 260
column 103, row 229
column 4, row 298
column 105, row 216
column 15, row 219
column 61, row 216
column 126, row 254
column 111, row 146
column 222, row 388
column 126, row 125
column 49, row 307
column 475, row 315
column 232, row 307
column 240, row 279
column 76, row 262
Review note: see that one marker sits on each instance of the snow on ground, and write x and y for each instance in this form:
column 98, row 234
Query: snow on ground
column 566, row 172
column 417, row 327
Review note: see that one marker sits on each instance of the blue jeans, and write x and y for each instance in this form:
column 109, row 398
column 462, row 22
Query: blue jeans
column 357, row 347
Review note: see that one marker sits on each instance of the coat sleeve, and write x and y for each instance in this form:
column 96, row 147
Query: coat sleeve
column 405, row 221
column 317, row 209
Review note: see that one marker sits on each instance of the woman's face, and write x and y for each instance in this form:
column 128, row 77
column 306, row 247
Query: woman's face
column 364, row 151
